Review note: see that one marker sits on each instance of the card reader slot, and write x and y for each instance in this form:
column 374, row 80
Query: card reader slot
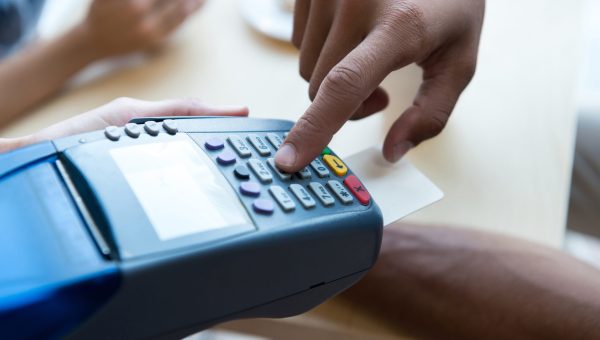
column 85, row 214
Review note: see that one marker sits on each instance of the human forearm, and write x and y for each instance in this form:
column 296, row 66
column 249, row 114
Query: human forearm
column 40, row 71
column 442, row 282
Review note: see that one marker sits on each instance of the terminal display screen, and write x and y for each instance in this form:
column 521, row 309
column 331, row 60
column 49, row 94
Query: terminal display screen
column 179, row 188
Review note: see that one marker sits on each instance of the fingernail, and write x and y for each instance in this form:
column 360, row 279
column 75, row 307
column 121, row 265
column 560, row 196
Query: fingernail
column 401, row 149
column 286, row 156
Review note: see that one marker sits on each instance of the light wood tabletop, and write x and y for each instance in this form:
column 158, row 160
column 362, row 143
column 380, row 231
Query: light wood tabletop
column 504, row 160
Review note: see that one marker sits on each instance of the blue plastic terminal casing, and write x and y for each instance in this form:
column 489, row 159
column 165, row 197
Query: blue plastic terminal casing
column 80, row 257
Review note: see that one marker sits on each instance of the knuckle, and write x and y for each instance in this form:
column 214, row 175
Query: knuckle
column 405, row 22
column 311, row 127
column 344, row 81
column 437, row 122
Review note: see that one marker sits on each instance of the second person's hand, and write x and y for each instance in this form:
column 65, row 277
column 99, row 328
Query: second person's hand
column 347, row 48
column 118, row 27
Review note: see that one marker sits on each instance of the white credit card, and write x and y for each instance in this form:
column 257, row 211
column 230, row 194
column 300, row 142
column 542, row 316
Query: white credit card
column 398, row 189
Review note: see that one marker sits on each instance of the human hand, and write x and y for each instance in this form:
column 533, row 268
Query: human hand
column 117, row 27
column 119, row 112
column 347, row 48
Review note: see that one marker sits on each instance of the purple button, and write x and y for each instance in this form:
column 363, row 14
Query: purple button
column 214, row 143
column 263, row 206
column 226, row 158
column 250, row 188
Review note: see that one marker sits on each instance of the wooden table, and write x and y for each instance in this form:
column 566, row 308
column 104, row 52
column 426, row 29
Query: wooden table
column 504, row 160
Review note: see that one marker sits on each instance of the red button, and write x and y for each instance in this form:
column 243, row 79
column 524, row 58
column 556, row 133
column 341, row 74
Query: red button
column 357, row 189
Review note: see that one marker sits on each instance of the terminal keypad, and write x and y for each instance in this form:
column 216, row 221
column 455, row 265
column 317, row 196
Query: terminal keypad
column 250, row 161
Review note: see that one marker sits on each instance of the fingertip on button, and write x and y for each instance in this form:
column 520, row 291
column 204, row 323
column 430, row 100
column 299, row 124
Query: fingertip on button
column 286, row 156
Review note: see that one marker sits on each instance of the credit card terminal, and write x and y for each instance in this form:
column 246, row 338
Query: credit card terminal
column 165, row 227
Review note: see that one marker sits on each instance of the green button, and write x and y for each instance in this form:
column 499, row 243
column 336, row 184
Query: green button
column 326, row 151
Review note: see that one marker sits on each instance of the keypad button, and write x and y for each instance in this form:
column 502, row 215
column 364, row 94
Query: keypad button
column 152, row 128
column 321, row 193
column 319, row 168
column 282, row 198
column 133, row 130
column 250, row 189
column 238, row 144
column 226, row 158
column 341, row 192
column 335, row 164
column 170, row 126
column 357, row 189
column 214, row 143
column 282, row 175
column 113, row 133
column 260, row 170
column 303, row 196
column 285, row 134
column 241, row 172
column 259, row 144
column 275, row 140
column 304, row 173
column 326, row 151
column 263, row 206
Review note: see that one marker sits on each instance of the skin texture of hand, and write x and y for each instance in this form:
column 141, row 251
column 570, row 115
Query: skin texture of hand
column 118, row 113
column 347, row 48
column 117, row 27
column 450, row 283
column 112, row 28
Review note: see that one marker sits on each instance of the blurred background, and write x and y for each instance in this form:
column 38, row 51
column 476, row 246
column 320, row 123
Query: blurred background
column 504, row 161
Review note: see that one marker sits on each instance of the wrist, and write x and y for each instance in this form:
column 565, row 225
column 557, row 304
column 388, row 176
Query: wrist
column 83, row 45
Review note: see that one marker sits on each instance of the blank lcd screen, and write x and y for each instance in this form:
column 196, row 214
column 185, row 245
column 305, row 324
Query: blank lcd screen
column 179, row 188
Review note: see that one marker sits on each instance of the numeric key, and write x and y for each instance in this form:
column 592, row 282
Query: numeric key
column 259, row 144
column 260, row 170
column 240, row 147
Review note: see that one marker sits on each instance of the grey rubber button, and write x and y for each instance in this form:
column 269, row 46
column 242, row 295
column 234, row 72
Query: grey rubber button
column 321, row 193
column 113, row 133
column 282, row 198
column 340, row 191
column 260, row 170
column 133, row 130
column 320, row 168
column 238, row 144
column 275, row 140
column 152, row 128
column 259, row 144
column 170, row 126
column 304, row 173
column 303, row 196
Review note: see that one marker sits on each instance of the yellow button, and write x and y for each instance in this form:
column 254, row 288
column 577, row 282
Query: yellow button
column 336, row 165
